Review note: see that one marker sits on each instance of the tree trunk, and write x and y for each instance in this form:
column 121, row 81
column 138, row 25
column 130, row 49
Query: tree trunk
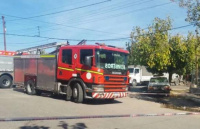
column 170, row 77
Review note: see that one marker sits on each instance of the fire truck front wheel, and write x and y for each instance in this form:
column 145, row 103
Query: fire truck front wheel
column 30, row 88
column 77, row 93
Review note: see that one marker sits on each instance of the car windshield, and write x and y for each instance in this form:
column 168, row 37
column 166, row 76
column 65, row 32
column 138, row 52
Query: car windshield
column 107, row 59
column 158, row 80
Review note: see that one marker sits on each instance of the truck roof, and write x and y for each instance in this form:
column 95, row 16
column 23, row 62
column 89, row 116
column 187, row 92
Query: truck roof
column 98, row 47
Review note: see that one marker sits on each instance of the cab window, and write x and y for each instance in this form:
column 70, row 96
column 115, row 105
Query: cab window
column 136, row 70
column 130, row 70
column 67, row 56
column 84, row 53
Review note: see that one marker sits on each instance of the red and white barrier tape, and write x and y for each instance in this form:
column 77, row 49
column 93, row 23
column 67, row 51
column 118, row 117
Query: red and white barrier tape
column 95, row 116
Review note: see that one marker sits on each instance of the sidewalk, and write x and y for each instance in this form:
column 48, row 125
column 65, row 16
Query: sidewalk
column 183, row 91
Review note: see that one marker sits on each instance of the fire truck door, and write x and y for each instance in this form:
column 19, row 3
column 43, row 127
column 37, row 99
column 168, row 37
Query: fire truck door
column 65, row 64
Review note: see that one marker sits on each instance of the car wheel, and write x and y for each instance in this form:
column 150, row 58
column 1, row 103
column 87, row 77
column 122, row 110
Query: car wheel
column 77, row 93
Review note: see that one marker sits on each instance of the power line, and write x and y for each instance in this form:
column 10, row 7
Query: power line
column 91, row 14
column 64, row 10
column 114, row 39
column 110, row 9
column 124, row 13
column 11, row 43
column 60, row 24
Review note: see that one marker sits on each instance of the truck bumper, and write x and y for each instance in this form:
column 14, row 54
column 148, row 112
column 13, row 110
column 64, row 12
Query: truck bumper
column 109, row 95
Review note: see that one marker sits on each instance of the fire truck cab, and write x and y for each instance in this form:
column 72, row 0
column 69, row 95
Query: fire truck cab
column 79, row 72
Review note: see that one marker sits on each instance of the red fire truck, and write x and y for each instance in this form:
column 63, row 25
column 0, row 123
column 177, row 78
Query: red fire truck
column 77, row 71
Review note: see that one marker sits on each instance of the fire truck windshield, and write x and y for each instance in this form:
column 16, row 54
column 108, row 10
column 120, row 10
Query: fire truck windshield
column 114, row 60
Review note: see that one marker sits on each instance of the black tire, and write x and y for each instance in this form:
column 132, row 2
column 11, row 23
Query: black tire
column 5, row 81
column 30, row 88
column 68, row 94
column 77, row 93
column 134, row 83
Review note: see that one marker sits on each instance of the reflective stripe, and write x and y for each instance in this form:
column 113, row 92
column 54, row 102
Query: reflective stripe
column 47, row 56
column 35, row 56
column 65, row 69
column 89, row 71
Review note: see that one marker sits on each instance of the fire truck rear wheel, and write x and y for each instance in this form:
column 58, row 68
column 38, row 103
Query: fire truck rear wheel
column 5, row 81
column 30, row 87
column 77, row 93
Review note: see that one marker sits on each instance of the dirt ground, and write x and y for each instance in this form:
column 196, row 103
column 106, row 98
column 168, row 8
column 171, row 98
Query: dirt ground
column 177, row 99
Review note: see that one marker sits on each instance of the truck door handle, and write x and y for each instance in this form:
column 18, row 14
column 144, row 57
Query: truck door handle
column 60, row 72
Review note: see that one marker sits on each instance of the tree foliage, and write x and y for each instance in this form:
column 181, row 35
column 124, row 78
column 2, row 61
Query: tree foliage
column 161, row 52
column 193, row 11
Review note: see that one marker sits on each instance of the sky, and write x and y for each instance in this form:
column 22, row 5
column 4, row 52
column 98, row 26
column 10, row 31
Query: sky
column 35, row 22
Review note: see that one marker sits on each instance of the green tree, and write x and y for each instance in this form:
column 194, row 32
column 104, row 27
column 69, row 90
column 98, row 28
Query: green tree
column 159, row 51
column 150, row 48
column 193, row 11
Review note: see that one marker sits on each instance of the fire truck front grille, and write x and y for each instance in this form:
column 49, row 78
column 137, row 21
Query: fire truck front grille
column 115, row 83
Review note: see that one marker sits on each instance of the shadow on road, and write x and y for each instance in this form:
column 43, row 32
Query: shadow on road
column 174, row 101
column 62, row 97
column 19, row 90
column 62, row 124
column 100, row 101
column 34, row 127
column 140, row 89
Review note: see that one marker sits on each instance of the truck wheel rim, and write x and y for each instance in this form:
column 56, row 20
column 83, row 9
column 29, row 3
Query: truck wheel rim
column 6, row 82
column 29, row 88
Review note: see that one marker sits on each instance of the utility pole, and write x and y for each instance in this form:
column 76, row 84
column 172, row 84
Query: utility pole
column 4, row 33
column 38, row 31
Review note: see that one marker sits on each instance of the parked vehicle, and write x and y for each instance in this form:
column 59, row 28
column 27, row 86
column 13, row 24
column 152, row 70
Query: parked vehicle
column 159, row 84
column 139, row 75
column 79, row 72
column 175, row 78
column 6, row 69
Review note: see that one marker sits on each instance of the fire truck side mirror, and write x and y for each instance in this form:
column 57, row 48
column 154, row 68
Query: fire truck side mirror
column 88, row 61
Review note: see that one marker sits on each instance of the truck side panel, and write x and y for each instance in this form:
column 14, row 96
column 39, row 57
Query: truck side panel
column 19, row 71
column 46, row 76
column 6, row 64
column 43, row 67
column 30, row 66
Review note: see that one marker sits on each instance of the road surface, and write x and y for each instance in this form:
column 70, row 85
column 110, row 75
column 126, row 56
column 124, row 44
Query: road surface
column 15, row 103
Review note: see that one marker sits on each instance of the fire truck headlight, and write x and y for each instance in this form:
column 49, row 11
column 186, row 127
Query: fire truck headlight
column 98, row 88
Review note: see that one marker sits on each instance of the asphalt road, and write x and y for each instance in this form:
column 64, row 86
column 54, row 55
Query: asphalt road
column 14, row 103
